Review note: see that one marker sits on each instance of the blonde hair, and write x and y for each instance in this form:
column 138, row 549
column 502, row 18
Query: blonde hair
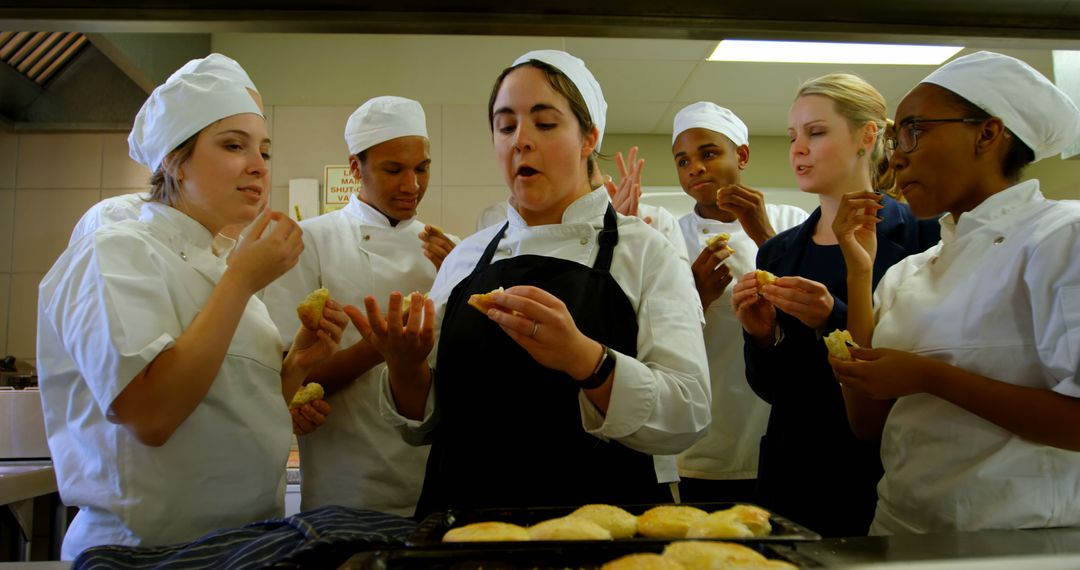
column 165, row 182
column 859, row 103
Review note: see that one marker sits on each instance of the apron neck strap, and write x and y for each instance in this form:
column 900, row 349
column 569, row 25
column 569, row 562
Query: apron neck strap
column 492, row 246
column 609, row 237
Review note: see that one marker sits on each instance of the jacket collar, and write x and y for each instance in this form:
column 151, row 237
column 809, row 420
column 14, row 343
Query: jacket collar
column 996, row 206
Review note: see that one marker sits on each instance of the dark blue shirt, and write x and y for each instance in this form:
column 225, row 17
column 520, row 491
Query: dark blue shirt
column 812, row 469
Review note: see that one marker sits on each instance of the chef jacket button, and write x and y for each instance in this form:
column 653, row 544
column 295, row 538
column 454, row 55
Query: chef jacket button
column 933, row 260
column 183, row 256
column 507, row 251
column 584, row 240
column 705, row 231
column 998, row 240
column 367, row 237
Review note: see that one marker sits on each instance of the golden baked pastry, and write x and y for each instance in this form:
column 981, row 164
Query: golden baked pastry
column 482, row 301
column 669, row 521
column 702, row 555
column 406, row 301
column 310, row 310
column 307, row 394
column 642, row 561
column 568, row 528
column 724, row 237
column 838, row 342
column 762, row 565
column 486, row 532
column 755, row 518
column 618, row 522
column 764, row 278
column 721, row 524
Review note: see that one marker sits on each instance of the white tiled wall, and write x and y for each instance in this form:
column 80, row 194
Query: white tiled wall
column 464, row 176
column 47, row 181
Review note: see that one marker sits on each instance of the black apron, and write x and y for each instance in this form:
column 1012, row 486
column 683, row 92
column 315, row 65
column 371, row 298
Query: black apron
column 509, row 431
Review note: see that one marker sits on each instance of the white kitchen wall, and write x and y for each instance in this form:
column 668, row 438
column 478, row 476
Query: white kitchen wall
column 47, row 180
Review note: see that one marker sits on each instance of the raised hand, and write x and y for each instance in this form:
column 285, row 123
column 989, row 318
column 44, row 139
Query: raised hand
column 711, row 275
column 757, row 315
column 855, row 229
column 436, row 245
column 401, row 344
column 262, row 255
column 748, row 205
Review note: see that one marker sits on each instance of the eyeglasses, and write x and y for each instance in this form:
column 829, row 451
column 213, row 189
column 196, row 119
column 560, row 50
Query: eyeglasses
column 905, row 135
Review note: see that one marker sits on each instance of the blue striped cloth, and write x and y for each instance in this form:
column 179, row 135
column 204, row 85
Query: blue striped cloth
column 302, row 540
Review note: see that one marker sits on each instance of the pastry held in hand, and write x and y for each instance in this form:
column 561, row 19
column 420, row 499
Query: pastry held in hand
column 620, row 523
column 492, row 531
column 483, row 301
column 764, row 278
column 310, row 310
column 838, row 342
column 406, row 302
column 716, row 239
column 309, row 393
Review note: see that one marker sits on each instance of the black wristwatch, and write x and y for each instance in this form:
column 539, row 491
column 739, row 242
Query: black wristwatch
column 602, row 371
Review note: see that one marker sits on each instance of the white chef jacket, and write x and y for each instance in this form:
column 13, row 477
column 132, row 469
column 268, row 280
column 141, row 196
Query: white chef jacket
column 129, row 207
column 107, row 212
column 730, row 448
column 356, row 459
column 660, row 400
column 108, row 307
column 1000, row 297
column 662, row 221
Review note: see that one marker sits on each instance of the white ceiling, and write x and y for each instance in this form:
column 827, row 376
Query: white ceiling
column 647, row 81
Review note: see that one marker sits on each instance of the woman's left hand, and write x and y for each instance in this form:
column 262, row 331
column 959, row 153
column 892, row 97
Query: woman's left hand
column 806, row 300
column 309, row 417
column 546, row 330
column 882, row 373
column 855, row 229
column 309, row 348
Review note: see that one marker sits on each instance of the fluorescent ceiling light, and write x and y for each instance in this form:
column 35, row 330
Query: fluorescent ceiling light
column 819, row 52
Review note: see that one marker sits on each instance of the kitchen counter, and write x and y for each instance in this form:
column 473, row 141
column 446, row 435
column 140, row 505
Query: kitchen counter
column 21, row 480
column 1040, row 548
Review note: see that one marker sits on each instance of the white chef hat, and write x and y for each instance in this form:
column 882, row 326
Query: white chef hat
column 707, row 115
column 384, row 118
column 216, row 64
column 1029, row 105
column 581, row 77
column 179, row 109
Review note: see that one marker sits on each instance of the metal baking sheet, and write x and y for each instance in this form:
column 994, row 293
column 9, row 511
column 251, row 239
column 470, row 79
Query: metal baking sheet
column 548, row 556
column 431, row 530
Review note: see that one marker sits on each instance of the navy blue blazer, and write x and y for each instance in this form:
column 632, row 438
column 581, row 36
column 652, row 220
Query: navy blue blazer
column 812, row 469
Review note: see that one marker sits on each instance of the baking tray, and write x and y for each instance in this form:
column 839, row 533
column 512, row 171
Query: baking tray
column 548, row 556
column 431, row 530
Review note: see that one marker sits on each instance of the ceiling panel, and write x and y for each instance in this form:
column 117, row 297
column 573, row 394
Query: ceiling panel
column 642, row 81
column 634, row 117
column 635, row 49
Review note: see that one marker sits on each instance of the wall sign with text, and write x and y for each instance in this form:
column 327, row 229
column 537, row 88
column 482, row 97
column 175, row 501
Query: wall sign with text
column 338, row 185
